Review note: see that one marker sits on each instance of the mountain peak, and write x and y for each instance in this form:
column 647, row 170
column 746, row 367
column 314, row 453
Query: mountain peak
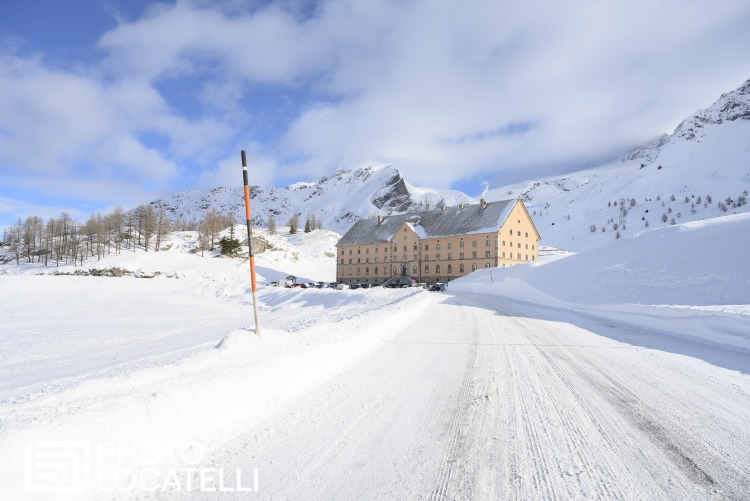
column 731, row 106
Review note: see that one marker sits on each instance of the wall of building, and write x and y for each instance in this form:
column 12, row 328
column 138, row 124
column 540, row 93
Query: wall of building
column 440, row 259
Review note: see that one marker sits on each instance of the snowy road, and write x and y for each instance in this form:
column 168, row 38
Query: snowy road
column 476, row 400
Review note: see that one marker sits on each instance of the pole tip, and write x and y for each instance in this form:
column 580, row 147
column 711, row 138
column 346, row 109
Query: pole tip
column 244, row 159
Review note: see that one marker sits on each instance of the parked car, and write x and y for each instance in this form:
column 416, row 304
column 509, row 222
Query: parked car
column 400, row 282
column 273, row 284
column 354, row 286
column 298, row 286
column 439, row 287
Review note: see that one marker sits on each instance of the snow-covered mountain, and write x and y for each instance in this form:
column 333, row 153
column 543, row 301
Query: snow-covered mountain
column 700, row 171
column 338, row 200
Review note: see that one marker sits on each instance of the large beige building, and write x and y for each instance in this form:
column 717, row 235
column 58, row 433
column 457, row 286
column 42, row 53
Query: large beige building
column 437, row 245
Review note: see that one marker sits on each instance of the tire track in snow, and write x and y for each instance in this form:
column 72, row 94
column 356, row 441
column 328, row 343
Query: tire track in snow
column 536, row 386
column 695, row 457
column 454, row 451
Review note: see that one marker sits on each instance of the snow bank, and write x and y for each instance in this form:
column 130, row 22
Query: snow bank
column 205, row 398
column 691, row 279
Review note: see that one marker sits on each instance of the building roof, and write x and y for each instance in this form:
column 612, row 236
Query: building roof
column 459, row 220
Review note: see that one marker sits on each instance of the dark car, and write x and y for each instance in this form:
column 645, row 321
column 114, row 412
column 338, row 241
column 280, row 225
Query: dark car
column 400, row 282
column 354, row 286
column 439, row 287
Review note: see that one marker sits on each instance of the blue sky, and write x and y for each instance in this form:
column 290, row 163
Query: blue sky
column 118, row 102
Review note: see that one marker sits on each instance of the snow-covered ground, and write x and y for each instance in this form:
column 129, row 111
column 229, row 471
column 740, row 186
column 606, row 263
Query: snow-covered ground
column 690, row 282
column 585, row 376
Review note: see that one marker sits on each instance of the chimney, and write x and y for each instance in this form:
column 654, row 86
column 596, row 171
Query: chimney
column 380, row 219
column 483, row 203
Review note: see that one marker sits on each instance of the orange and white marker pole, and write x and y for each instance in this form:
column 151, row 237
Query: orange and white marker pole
column 250, row 242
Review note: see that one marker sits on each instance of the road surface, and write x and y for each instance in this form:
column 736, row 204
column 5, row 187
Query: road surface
column 478, row 399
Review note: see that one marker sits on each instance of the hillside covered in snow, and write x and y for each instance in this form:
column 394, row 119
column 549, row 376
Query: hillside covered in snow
column 337, row 201
column 700, row 171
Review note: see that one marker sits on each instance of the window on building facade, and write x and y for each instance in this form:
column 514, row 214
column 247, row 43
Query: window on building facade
column 426, row 257
column 358, row 260
column 450, row 256
column 519, row 245
column 367, row 270
column 437, row 269
column 474, row 254
column 359, row 251
column 427, row 268
column 487, row 254
column 415, row 257
column 437, row 246
column 350, row 260
column 367, row 260
column 350, row 252
column 450, row 245
column 426, row 246
column 350, row 271
column 527, row 257
column 460, row 255
column 533, row 258
column 461, row 244
column 450, row 269
column 376, row 270
column 404, row 258
column 503, row 254
column 473, row 243
column 357, row 271
column 414, row 269
column 527, row 233
column 385, row 259
column 511, row 231
column 460, row 268
column 487, row 242
column 437, row 257
column 519, row 255
column 487, row 265
column 474, row 267
column 376, row 260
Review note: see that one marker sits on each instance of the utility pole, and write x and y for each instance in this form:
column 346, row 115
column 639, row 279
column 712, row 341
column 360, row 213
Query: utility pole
column 250, row 242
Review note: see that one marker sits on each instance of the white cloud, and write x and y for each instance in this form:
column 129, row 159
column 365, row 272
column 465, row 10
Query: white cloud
column 444, row 91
